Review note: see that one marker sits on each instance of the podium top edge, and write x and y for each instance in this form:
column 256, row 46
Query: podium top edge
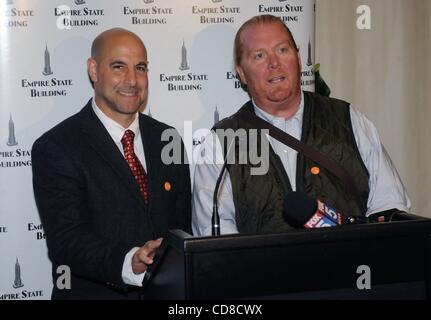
column 409, row 229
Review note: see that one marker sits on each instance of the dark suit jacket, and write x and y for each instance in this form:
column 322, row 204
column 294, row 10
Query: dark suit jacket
column 91, row 207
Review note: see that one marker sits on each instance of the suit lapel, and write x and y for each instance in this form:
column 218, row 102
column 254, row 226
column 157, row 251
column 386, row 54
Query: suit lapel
column 100, row 140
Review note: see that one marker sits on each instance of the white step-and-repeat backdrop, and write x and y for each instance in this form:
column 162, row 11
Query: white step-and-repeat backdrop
column 44, row 48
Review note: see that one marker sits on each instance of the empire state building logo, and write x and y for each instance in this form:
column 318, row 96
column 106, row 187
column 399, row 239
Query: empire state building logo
column 309, row 62
column 47, row 68
column 11, row 141
column 17, row 282
column 215, row 1
column 184, row 65
column 78, row 2
column 216, row 116
column 148, row 1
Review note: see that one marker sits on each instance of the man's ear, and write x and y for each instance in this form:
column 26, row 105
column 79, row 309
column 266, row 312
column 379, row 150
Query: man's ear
column 241, row 74
column 92, row 69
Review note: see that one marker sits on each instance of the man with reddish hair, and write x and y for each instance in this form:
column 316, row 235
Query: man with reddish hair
column 269, row 65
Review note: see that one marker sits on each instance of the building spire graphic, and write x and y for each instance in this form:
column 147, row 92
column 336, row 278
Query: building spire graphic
column 309, row 62
column 184, row 65
column 11, row 141
column 17, row 282
column 216, row 115
column 79, row 2
column 47, row 68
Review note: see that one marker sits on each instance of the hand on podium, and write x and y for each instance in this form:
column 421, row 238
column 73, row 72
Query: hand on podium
column 144, row 256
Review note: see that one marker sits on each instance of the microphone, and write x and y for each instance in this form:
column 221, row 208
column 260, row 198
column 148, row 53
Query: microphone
column 215, row 218
column 300, row 210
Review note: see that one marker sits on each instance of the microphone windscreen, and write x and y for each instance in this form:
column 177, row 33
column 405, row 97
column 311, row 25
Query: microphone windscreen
column 298, row 208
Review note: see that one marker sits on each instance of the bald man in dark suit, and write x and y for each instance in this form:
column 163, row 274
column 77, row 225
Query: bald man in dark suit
column 105, row 197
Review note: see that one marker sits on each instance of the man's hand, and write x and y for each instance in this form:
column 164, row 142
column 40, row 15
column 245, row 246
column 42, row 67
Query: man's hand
column 144, row 256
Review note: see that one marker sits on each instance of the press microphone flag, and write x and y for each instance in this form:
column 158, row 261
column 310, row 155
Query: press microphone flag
column 302, row 211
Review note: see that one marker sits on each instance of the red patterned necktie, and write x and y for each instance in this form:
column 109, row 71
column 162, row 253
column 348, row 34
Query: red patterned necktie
column 134, row 163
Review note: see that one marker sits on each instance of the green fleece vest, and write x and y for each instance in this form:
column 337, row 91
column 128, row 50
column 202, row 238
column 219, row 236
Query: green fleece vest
column 326, row 126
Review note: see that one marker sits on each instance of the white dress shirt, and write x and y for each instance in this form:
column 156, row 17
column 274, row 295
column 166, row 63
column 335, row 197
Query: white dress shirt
column 116, row 131
column 386, row 188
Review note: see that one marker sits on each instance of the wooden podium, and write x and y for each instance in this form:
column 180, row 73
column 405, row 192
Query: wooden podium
column 301, row 264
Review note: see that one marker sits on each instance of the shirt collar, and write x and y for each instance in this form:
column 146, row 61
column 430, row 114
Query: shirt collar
column 116, row 131
column 271, row 118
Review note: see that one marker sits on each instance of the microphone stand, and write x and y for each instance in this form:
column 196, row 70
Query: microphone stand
column 215, row 219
